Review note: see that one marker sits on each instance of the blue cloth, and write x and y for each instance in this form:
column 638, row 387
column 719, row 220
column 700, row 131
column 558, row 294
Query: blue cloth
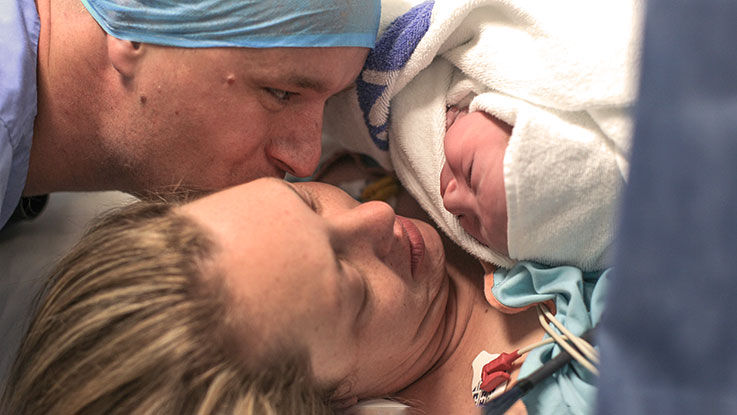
column 19, row 30
column 240, row 23
column 392, row 52
column 669, row 345
column 579, row 301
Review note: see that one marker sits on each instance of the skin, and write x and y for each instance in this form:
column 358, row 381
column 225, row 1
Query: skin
column 115, row 114
column 338, row 243
column 472, row 178
column 307, row 262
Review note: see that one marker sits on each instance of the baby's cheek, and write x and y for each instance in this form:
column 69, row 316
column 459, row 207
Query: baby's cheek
column 471, row 224
column 445, row 177
column 493, row 223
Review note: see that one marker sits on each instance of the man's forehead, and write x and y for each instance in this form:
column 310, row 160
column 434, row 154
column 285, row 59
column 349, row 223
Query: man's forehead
column 307, row 82
column 318, row 69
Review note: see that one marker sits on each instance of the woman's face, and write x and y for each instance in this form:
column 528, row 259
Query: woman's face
column 364, row 289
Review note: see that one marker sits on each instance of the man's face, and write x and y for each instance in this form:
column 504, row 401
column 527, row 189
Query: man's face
column 210, row 118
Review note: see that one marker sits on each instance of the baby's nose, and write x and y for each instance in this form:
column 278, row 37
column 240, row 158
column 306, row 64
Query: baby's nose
column 456, row 198
column 449, row 190
column 451, row 201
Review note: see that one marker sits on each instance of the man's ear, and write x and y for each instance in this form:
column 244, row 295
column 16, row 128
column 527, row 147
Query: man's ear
column 124, row 55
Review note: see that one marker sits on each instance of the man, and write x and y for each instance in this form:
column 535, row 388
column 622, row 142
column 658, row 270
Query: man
column 148, row 96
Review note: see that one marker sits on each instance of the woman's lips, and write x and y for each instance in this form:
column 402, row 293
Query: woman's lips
column 416, row 242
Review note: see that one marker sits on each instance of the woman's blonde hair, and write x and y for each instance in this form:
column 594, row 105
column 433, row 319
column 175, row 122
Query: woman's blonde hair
column 128, row 325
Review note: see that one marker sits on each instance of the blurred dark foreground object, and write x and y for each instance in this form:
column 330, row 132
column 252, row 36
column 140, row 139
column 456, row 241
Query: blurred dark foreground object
column 668, row 339
column 28, row 208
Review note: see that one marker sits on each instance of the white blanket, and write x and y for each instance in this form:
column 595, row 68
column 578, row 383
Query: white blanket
column 563, row 73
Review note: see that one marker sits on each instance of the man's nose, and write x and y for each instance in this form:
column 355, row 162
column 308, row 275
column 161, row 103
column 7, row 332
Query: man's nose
column 296, row 149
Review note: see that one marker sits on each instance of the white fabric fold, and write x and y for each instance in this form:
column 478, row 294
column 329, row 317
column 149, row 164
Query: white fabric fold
column 564, row 74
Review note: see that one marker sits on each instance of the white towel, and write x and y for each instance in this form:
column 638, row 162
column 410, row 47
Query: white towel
column 564, row 74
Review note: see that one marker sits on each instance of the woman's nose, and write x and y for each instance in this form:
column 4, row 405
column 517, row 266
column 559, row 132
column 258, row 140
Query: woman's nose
column 368, row 225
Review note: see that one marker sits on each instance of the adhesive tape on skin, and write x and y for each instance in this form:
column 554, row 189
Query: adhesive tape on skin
column 480, row 396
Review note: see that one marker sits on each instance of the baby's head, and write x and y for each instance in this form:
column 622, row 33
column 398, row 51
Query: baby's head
column 472, row 179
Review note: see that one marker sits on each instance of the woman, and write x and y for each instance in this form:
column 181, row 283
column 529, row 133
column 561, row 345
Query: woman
column 268, row 297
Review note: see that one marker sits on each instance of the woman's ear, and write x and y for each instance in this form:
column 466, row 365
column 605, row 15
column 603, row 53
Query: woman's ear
column 342, row 397
column 124, row 55
column 344, row 403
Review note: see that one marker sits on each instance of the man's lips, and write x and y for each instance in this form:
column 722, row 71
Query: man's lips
column 416, row 242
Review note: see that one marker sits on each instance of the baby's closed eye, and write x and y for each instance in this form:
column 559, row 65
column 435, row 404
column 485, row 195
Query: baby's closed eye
column 452, row 114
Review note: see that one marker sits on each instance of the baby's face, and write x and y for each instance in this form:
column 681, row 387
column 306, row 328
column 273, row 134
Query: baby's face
column 472, row 179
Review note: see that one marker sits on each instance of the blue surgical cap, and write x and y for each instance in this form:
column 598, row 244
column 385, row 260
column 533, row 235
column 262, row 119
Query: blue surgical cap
column 240, row 23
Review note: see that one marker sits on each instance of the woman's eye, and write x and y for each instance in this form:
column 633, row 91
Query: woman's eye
column 310, row 200
column 280, row 94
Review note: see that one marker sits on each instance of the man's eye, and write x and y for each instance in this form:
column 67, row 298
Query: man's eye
column 280, row 94
column 469, row 175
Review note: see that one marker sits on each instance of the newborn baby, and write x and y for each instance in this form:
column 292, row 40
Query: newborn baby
column 546, row 190
column 472, row 178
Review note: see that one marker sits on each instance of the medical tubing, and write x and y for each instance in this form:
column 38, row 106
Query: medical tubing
column 557, row 362
column 570, row 350
column 531, row 347
column 500, row 404
column 583, row 346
